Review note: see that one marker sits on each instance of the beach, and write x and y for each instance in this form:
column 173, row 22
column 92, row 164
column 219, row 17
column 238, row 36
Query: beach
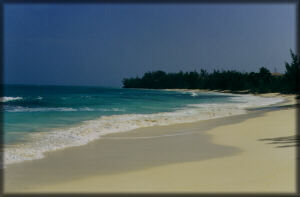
column 136, row 98
column 248, row 153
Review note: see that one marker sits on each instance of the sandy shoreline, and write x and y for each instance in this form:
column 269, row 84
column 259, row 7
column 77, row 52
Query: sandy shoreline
column 229, row 154
column 289, row 97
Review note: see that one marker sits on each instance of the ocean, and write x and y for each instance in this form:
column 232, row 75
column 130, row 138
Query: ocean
column 38, row 119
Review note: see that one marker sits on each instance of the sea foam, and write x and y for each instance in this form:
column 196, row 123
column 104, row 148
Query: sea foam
column 56, row 109
column 88, row 131
column 7, row 99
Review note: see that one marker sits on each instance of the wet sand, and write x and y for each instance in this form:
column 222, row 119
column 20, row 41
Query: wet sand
column 241, row 153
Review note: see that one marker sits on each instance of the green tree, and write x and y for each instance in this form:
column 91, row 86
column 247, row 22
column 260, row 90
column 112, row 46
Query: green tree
column 292, row 74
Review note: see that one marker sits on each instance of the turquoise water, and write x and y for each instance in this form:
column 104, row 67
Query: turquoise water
column 44, row 118
column 42, row 108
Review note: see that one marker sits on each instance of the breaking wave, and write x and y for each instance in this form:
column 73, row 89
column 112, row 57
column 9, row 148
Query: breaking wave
column 90, row 130
column 7, row 99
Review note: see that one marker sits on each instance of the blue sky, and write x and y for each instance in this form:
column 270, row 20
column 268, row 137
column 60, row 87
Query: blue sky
column 100, row 44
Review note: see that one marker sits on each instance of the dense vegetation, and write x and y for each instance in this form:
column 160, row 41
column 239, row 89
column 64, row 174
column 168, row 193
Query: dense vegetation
column 255, row 82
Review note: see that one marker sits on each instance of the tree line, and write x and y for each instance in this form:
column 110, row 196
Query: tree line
column 255, row 82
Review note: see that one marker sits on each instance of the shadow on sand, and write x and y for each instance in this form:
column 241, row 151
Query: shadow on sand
column 283, row 142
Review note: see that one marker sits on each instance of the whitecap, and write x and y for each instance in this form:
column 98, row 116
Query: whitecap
column 8, row 98
column 38, row 109
column 88, row 131
column 193, row 94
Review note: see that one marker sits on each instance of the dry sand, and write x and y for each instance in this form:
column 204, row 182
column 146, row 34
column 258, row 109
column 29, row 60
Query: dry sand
column 245, row 153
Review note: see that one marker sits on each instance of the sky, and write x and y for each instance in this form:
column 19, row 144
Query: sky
column 100, row 44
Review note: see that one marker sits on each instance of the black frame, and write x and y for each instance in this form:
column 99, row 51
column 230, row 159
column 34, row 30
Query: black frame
column 2, row 4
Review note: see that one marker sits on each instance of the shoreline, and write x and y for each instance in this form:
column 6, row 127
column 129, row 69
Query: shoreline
column 215, row 113
column 270, row 94
column 289, row 99
column 240, row 92
column 109, row 167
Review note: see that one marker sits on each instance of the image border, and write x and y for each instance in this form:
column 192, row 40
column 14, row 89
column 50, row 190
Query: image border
column 2, row 20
